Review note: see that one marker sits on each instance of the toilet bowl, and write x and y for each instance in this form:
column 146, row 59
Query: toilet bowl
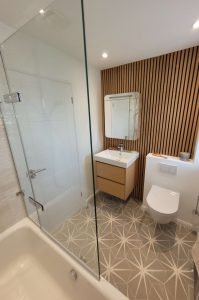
column 162, row 204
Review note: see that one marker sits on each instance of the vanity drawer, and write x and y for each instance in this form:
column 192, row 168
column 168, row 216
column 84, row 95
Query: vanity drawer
column 113, row 173
column 111, row 187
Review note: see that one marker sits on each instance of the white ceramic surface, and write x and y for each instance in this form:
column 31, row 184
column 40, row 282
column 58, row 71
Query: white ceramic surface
column 185, row 181
column 163, row 200
column 162, row 204
column 34, row 267
column 161, row 218
column 121, row 159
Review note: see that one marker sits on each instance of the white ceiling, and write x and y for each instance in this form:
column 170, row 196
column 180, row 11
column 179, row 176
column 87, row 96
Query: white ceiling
column 128, row 30
column 14, row 14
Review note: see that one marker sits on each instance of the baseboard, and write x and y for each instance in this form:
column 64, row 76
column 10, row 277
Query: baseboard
column 184, row 223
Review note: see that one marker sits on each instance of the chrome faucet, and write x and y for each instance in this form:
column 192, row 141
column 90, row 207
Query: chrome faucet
column 120, row 147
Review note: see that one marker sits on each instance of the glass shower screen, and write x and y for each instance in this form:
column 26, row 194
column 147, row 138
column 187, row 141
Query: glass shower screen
column 46, row 118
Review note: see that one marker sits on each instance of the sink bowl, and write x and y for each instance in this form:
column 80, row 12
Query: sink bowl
column 116, row 158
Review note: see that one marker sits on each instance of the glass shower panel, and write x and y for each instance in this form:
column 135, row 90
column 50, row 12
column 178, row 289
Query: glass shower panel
column 16, row 145
column 44, row 63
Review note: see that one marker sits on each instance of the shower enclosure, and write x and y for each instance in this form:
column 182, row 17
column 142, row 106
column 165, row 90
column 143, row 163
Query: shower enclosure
column 44, row 104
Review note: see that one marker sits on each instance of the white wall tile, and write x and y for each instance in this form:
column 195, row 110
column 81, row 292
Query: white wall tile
column 11, row 206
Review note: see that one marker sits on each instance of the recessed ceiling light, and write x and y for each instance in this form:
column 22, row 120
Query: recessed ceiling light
column 196, row 25
column 42, row 11
column 104, row 55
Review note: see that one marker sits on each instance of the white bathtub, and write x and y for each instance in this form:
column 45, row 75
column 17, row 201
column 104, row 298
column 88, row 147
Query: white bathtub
column 34, row 267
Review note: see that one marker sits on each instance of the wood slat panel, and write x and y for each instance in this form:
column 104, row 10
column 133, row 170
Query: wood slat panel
column 169, row 88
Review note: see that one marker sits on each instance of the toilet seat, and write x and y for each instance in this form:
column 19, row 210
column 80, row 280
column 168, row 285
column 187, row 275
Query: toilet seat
column 163, row 200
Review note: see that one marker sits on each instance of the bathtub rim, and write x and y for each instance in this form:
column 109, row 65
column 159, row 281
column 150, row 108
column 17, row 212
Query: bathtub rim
column 103, row 287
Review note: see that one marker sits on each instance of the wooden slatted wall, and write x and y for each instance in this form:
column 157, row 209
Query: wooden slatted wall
column 169, row 87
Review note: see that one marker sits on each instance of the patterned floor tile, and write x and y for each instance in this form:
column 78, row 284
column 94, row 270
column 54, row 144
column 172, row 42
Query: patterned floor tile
column 158, row 292
column 144, row 260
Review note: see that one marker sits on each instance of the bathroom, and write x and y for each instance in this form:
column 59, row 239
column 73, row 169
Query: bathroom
column 99, row 149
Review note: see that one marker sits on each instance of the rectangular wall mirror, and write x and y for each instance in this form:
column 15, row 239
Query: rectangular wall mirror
column 122, row 116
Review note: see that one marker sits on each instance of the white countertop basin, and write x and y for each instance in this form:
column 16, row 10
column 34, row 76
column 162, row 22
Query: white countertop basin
column 116, row 158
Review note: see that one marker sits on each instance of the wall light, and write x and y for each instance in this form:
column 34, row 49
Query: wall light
column 196, row 25
column 42, row 11
column 104, row 55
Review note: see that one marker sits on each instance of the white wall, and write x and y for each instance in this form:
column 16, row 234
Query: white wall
column 185, row 181
column 26, row 56
column 96, row 108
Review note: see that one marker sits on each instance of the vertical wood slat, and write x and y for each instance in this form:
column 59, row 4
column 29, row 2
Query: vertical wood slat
column 169, row 88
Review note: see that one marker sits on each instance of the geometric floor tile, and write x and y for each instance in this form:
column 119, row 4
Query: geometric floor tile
column 144, row 260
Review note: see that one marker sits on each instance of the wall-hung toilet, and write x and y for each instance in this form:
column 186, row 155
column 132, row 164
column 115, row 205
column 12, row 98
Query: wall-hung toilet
column 162, row 204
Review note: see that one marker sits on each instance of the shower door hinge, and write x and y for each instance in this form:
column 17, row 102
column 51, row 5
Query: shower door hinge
column 12, row 98
column 72, row 100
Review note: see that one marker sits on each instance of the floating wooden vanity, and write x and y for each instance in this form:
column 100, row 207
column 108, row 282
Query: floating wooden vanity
column 117, row 181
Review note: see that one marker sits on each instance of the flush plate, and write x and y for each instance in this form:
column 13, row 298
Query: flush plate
column 169, row 169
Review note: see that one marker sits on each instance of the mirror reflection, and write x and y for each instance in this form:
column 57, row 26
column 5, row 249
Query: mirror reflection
column 122, row 114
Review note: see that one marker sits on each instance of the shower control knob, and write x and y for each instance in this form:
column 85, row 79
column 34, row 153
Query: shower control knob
column 33, row 173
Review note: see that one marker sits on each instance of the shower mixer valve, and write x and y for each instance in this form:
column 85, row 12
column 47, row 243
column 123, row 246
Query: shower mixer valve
column 33, row 173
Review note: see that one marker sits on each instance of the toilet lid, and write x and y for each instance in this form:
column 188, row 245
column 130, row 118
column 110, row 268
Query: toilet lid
column 163, row 200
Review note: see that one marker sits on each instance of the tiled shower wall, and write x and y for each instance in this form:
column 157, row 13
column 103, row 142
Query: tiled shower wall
column 11, row 206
